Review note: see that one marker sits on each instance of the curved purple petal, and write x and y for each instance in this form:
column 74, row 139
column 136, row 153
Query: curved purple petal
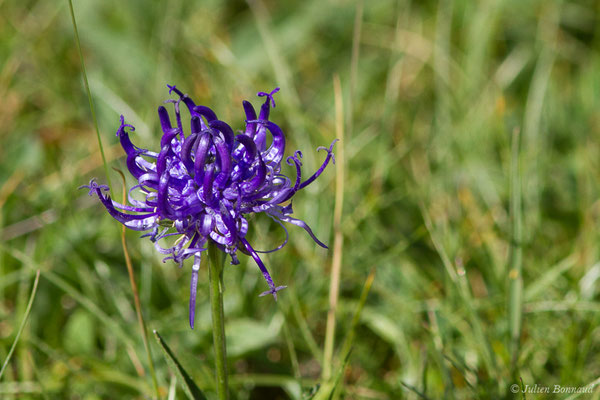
column 194, row 289
column 205, row 112
column 137, row 222
column 277, row 214
column 322, row 168
column 275, row 152
column 249, row 147
column 186, row 150
column 282, row 245
column 260, row 264
column 131, row 151
column 165, row 121
column 204, row 144
column 258, row 179
column 225, row 130
column 250, row 116
column 224, row 160
column 207, row 185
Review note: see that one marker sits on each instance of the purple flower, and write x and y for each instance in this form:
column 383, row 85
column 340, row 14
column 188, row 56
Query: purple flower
column 202, row 186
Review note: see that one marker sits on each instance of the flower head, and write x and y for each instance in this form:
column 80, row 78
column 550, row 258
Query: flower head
column 202, row 186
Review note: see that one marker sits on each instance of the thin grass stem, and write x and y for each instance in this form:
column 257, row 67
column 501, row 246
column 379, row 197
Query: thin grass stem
column 358, row 17
column 515, row 275
column 136, row 298
column 89, row 93
column 338, row 241
column 23, row 323
column 281, row 68
column 291, row 349
column 295, row 309
column 349, row 340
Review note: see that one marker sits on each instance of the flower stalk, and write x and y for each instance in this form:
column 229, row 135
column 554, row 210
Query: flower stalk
column 215, row 276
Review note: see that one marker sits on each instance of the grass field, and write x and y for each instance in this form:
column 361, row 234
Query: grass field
column 467, row 179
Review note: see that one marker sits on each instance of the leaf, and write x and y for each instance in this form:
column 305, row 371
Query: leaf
column 80, row 333
column 189, row 387
column 246, row 335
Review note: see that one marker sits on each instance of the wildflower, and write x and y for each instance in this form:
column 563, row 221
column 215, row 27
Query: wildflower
column 201, row 187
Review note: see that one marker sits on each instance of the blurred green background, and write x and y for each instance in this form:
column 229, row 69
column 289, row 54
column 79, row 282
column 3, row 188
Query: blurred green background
column 471, row 149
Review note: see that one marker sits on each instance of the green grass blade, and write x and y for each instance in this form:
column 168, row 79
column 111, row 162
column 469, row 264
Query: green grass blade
column 459, row 278
column 291, row 348
column 85, row 301
column 89, row 305
column 330, row 390
column 414, row 390
column 89, row 93
column 356, row 34
column 347, row 345
column 545, row 281
column 294, row 308
column 515, row 278
column 438, row 352
column 281, row 68
column 189, row 386
column 25, row 317
column 590, row 387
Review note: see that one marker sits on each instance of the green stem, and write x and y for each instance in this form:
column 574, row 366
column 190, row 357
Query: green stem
column 215, row 277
